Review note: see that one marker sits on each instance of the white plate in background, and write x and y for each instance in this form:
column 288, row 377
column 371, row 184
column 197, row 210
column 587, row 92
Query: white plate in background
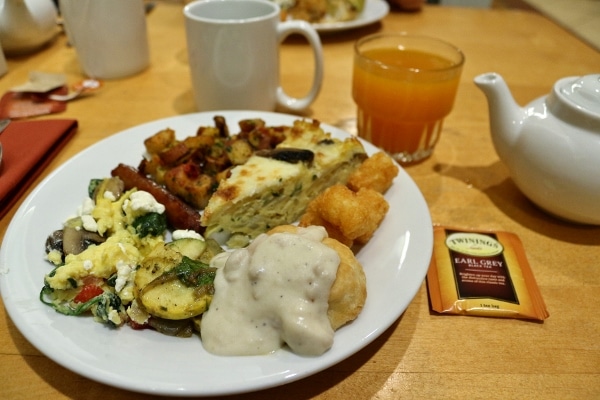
column 374, row 11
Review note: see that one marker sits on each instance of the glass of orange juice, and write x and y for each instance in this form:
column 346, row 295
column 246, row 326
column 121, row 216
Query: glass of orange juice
column 404, row 86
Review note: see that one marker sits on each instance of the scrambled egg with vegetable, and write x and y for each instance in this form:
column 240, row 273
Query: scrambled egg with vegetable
column 111, row 259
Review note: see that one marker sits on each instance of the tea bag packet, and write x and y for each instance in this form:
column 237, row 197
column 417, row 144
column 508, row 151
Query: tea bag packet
column 482, row 273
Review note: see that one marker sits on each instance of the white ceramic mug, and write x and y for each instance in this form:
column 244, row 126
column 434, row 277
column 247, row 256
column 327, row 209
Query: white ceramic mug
column 233, row 50
column 109, row 36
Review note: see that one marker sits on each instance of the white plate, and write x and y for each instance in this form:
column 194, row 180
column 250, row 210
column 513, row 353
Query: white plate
column 395, row 262
column 374, row 11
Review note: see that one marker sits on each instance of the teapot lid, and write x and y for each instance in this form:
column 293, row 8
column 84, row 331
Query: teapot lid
column 576, row 101
column 582, row 93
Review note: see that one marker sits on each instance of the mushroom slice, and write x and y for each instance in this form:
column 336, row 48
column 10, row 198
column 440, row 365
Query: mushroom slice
column 76, row 240
column 288, row 154
column 55, row 241
column 113, row 185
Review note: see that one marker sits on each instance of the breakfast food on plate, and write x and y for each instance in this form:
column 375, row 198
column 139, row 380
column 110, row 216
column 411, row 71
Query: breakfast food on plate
column 174, row 281
column 192, row 168
column 179, row 214
column 293, row 285
column 97, row 251
column 248, row 182
column 352, row 213
column 349, row 290
column 377, row 173
column 319, row 11
column 274, row 188
column 350, row 217
column 136, row 253
column 112, row 260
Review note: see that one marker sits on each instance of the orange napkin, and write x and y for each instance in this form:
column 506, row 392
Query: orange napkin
column 28, row 147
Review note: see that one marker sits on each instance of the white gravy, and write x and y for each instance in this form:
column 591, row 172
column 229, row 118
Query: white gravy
column 271, row 293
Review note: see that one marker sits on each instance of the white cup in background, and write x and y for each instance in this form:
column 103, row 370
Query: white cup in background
column 233, row 50
column 109, row 36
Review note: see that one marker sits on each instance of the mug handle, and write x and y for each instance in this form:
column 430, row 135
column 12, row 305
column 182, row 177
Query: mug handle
column 284, row 29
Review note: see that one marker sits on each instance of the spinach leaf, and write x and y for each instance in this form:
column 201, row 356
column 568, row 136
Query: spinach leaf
column 152, row 223
column 191, row 273
column 100, row 306
column 194, row 273
column 93, row 185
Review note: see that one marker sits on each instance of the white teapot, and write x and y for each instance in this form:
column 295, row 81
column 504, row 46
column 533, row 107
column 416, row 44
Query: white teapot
column 551, row 146
column 26, row 25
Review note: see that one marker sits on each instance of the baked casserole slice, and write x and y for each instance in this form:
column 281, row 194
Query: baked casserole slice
column 274, row 187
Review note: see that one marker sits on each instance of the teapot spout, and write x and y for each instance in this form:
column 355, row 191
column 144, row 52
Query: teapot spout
column 506, row 117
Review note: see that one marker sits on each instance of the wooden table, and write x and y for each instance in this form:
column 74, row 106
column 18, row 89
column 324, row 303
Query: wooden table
column 422, row 355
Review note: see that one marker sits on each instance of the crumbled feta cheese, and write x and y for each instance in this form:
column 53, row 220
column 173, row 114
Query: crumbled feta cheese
column 143, row 201
column 86, row 207
column 137, row 313
column 108, row 195
column 124, row 271
column 113, row 316
column 186, row 234
column 89, row 223
column 88, row 264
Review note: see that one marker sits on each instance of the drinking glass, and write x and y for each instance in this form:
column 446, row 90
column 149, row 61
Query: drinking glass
column 404, row 86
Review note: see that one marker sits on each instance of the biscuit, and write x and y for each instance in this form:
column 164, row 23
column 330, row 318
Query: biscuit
column 349, row 290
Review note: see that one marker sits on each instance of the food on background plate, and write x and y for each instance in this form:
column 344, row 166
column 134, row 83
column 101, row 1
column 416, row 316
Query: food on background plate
column 274, row 187
column 321, row 11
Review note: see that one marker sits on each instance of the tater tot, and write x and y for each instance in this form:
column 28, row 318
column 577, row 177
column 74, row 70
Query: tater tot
column 378, row 210
column 376, row 172
column 312, row 217
column 355, row 214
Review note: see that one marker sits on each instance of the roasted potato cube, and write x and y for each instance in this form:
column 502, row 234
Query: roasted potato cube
column 239, row 151
column 160, row 141
column 150, row 165
column 198, row 142
column 174, row 154
column 210, row 131
column 186, row 182
column 248, row 125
